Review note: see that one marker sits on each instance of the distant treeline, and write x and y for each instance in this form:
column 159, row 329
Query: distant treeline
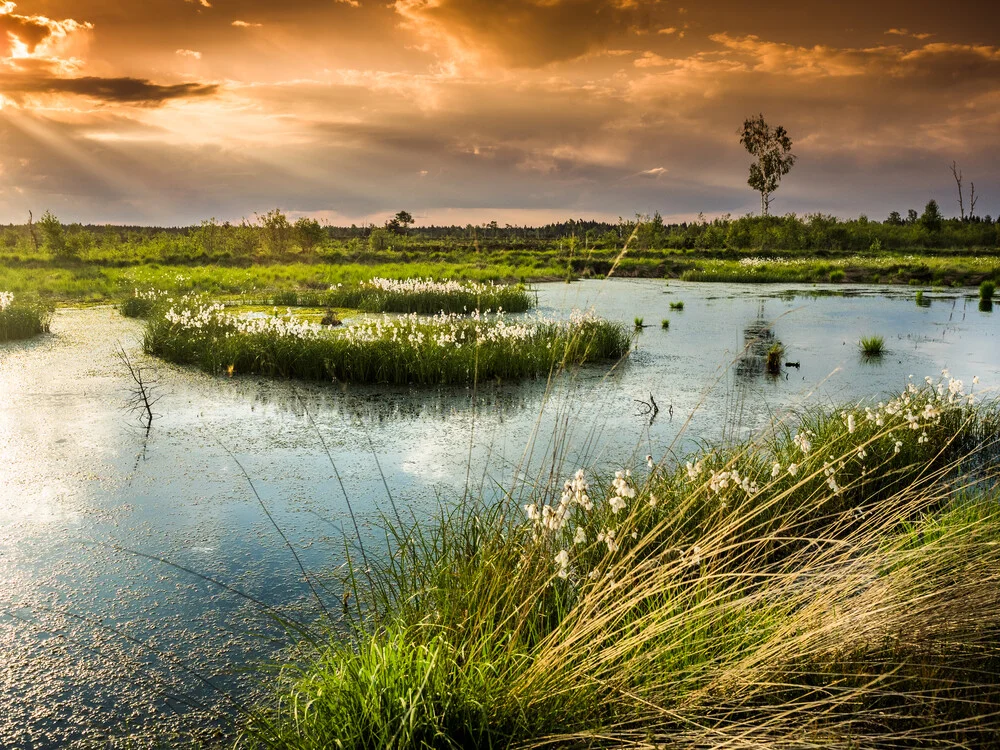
column 274, row 236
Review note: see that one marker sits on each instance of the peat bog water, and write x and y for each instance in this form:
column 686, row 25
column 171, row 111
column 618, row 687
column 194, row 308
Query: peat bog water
column 96, row 640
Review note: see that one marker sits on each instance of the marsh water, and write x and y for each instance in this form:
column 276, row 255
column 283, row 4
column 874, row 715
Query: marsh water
column 107, row 627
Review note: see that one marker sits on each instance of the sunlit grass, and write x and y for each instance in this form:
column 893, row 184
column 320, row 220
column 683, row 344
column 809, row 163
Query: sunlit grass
column 828, row 584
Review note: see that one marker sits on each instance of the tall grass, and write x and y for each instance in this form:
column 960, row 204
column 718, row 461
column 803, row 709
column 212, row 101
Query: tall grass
column 423, row 296
column 402, row 350
column 21, row 319
column 831, row 585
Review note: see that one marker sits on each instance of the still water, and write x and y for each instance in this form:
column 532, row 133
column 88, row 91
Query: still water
column 100, row 638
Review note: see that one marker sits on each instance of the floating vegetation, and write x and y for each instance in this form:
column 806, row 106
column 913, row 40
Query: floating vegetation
column 665, row 323
column 679, row 305
column 444, row 349
column 872, row 346
column 21, row 319
column 690, row 604
column 423, row 296
column 986, row 290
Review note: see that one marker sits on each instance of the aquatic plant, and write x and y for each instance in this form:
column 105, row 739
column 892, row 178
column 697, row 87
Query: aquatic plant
column 775, row 356
column 20, row 319
column 837, row 275
column 638, row 323
column 872, row 346
column 986, row 290
column 444, row 349
column 679, row 305
column 827, row 582
column 665, row 324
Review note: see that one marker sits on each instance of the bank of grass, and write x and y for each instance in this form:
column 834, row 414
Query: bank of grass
column 834, row 584
column 21, row 318
column 882, row 268
column 415, row 295
column 77, row 282
column 444, row 349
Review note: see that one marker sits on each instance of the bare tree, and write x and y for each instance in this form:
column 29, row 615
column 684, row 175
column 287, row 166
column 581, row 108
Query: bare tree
column 958, row 181
column 972, row 200
column 141, row 395
column 31, row 230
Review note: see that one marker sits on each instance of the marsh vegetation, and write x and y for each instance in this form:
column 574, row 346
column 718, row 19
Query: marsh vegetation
column 831, row 582
column 20, row 319
column 410, row 349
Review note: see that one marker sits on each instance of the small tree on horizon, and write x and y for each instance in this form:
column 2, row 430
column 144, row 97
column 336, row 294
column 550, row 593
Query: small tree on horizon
column 931, row 218
column 400, row 222
column 773, row 151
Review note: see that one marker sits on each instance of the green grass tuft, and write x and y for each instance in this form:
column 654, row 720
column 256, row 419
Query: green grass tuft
column 872, row 346
column 774, row 359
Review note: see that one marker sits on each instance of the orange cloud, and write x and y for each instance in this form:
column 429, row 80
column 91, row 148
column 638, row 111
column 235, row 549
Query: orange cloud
column 24, row 37
column 522, row 33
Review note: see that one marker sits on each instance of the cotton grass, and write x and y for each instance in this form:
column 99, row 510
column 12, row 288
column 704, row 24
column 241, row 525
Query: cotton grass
column 443, row 349
column 833, row 583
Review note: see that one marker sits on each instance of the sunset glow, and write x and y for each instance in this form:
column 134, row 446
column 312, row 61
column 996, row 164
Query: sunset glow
column 171, row 111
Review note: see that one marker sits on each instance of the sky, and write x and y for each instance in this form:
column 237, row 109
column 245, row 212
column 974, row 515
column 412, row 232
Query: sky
column 168, row 112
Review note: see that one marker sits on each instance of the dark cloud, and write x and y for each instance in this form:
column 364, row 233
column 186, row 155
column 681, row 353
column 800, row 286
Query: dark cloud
column 113, row 90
